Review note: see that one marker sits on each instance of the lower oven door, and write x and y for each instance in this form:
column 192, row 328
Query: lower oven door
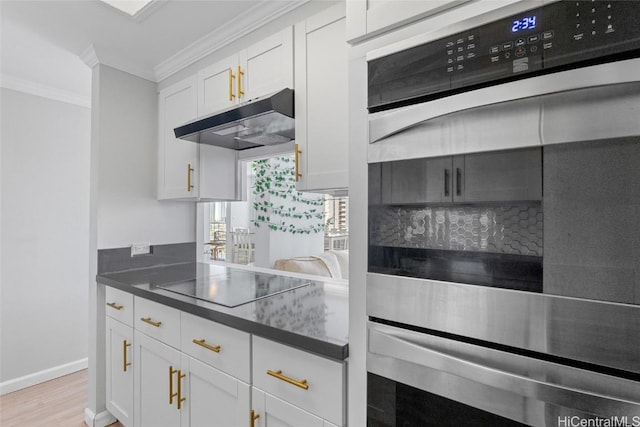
column 418, row 379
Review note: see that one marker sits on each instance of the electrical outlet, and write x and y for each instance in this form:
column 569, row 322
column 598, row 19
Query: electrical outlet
column 140, row 249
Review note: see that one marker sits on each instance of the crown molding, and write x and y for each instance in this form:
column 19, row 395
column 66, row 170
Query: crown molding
column 259, row 15
column 148, row 10
column 89, row 56
column 44, row 91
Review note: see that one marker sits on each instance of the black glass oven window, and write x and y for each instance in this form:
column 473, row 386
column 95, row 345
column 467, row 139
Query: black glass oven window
column 458, row 219
column 392, row 404
column 588, row 246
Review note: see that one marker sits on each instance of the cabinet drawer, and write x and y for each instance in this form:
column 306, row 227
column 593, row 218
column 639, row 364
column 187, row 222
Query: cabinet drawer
column 325, row 379
column 220, row 346
column 119, row 305
column 158, row 321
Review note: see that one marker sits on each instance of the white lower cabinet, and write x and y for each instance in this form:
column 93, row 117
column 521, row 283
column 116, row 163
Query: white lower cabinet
column 119, row 372
column 269, row 411
column 173, row 390
column 312, row 383
column 173, row 369
column 213, row 397
column 158, row 385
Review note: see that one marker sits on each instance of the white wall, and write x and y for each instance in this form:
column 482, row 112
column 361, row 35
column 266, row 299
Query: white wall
column 44, row 234
column 128, row 210
column 123, row 206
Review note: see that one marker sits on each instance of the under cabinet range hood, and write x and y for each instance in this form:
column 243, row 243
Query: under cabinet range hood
column 262, row 121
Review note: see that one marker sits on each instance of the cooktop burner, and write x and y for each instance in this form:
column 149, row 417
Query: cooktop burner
column 235, row 287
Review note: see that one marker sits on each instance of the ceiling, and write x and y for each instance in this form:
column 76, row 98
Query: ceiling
column 42, row 41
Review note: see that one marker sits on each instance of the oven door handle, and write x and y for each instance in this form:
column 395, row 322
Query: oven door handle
column 398, row 344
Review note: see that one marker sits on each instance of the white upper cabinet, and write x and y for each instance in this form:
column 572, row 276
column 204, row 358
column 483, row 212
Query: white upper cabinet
column 217, row 86
column 369, row 18
column 267, row 66
column 321, row 101
column 187, row 170
column 177, row 159
column 190, row 171
column 258, row 70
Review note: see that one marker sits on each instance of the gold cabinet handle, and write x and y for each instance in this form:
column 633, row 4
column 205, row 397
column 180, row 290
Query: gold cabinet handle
column 231, row 77
column 278, row 374
column 189, row 171
column 297, row 162
column 151, row 322
column 253, row 417
column 179, row 395
column 202, row 343
column 124, row 355
column 240, row 74
column 114, row 305
column 171, row 393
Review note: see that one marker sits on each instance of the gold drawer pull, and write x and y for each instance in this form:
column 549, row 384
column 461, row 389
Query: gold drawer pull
column 240, row 74
column 278, row 374
column 125, row 344
column 179, row 396
column 254, row 416
column 231, row 77
column 171, row 393
column 202, row 343
column 189, row 171
column 297, row 153
column 114, row 305
column 151, row 322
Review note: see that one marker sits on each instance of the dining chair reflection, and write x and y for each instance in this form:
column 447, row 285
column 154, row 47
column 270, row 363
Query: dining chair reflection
column 242, row 248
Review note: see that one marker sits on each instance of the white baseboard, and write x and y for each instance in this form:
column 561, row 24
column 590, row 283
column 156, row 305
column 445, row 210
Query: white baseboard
column 101, row 419
column 42, row 376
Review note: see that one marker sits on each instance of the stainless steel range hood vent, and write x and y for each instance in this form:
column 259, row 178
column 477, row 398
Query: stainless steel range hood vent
column 263, row 121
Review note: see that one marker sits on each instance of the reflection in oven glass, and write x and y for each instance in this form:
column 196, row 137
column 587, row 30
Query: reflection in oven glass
column 392, row 404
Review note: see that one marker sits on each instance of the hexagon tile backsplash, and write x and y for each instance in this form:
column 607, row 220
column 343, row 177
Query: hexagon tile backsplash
column 509, row 229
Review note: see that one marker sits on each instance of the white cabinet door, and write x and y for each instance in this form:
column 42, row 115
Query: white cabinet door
column 217, row 86
column 267, row 66
column 281, row 371
column 273, row 412
column 321, row 101
column 119, row 371
column 177, row 159
column 187, row 170
column 157, row 384
column 259, row 70
column 369, row 18
column 219, row 174
column 213, row 398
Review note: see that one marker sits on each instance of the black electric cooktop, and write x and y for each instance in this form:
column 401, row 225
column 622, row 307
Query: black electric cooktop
column 235, row 287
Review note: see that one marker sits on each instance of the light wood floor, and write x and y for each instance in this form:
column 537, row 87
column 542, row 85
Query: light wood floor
column 55, row 403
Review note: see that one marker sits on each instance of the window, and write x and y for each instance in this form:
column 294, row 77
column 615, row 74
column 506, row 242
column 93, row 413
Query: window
column 278, row 221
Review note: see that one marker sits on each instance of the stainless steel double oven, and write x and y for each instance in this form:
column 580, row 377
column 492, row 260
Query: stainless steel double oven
column 503, row 283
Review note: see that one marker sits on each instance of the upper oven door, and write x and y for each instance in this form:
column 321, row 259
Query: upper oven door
column 595, row 99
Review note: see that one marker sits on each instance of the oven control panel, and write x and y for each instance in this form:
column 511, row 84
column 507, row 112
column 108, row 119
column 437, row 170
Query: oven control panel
column 560, row 35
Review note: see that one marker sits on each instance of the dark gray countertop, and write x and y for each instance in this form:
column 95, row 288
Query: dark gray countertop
column 314, row 318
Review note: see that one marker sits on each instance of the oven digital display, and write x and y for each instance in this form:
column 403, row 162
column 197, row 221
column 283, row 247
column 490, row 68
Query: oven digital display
column 525, row 23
